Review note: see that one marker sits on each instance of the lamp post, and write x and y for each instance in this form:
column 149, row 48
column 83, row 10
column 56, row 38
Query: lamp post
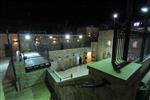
column 144, row 11
column 114, row 49
column 115, row 16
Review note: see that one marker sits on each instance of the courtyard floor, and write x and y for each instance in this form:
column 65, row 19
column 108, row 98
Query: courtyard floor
column 36, row 92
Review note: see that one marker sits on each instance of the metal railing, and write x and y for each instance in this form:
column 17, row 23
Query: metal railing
column 138, row 47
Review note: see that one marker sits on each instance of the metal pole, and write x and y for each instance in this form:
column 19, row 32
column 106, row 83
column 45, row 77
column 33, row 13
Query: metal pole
column 128, row 29
column 114, row 49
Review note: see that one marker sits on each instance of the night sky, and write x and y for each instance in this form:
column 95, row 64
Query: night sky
column 85, row 12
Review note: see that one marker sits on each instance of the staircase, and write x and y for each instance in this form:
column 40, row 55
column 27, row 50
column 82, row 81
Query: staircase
column 8, row 87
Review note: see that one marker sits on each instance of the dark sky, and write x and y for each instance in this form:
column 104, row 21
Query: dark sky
column 61, row 11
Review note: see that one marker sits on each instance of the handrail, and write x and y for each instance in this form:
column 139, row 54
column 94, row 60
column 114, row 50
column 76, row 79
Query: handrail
column 93, row 85
column 87, row 84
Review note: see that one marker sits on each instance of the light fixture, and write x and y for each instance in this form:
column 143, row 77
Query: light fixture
column 15, row 41
column 27, row 37
column 67, row 36
column 136, row 24
column 144, row 9
column 78, row 40
column 109, row 43
column 89, row 34
column 115, row 15
column 37, row 39
column 54, row 41
column 37, row 42
column 68, row 41
column 80, row 36
column 135, row 44
column 50, row 37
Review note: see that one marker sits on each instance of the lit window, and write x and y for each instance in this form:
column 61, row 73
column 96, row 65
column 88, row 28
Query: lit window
column 135, row 44
column 68, row 41
column 15, row 41
column 54, row 41
column 80, row 36
column 27, row 37
column 67, row 36
column 50, row 37
column 109, row 43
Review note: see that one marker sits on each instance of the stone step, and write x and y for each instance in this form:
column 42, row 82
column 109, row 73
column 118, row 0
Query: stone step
column 7, row 83
column 8, row 86
column 9, row 90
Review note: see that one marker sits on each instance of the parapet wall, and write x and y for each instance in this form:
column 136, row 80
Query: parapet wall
column 67, row 58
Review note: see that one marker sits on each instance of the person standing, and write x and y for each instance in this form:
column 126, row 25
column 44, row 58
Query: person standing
column 80, row 60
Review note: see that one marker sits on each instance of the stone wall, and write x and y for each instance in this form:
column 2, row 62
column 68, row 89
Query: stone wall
column 3, row 41
column 67, row 58
column 73, row 89
column 58, row 42
column 94, row 50
column 105, row 43
column 118, row 89
column 28, row 79
column 104, row 49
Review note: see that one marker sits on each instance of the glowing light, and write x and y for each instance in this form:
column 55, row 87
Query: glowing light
column 80, row 36
column 37, row 42
column 135, row 44
column 15, row 41
column 67, row 36
column 54, row 41
column 36, row 39
column 27, row 37
column 89, row 57
column 68, row 41
column 89, row 34
column 136, row 24
column 50, row 37
column 78, row 40
column 109, row 43
column 144, row 9
column 115, row 15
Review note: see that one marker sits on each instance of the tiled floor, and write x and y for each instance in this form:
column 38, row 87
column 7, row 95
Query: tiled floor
column 77, row 71
column 37, row 92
